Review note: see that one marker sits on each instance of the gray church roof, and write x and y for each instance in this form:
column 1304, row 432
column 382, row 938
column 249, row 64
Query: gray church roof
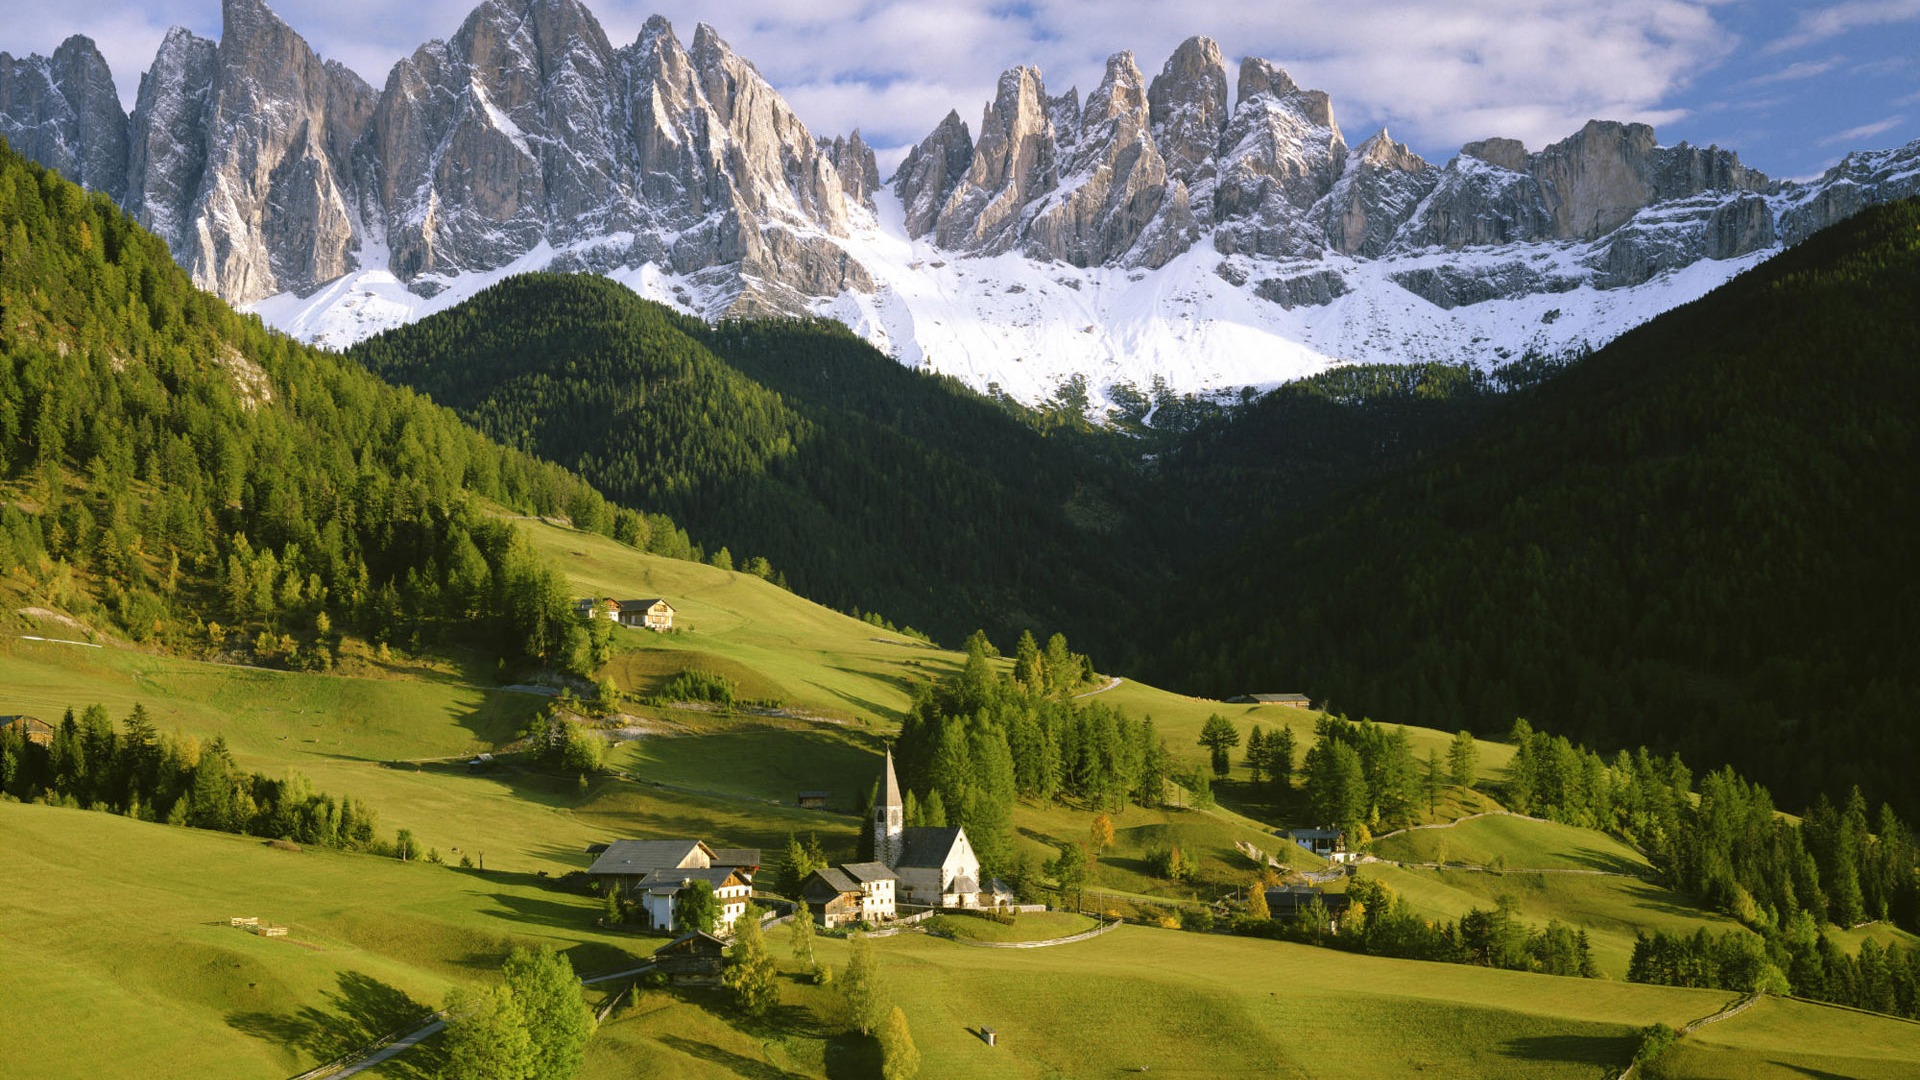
column 890, row 786
column 925, row 846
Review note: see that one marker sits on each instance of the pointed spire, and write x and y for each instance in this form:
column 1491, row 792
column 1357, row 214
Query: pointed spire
column 890, row 789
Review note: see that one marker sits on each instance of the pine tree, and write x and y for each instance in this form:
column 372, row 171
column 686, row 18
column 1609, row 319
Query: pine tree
column 1463, row 757
column 899, row 1058
column 1219, row 736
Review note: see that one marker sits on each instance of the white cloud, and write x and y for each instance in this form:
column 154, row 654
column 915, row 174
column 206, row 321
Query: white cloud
column 1830, row 22
column 1797, row 71
column 1863, row 132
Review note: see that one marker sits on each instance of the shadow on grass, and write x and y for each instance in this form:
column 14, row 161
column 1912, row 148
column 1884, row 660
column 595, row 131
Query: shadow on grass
column 360, row 1011
column 738, row 1064
column 851, row 1056
column 1611, row 1051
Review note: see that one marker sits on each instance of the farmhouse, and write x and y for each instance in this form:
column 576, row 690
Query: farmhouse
column 937, row 867
column 695, row 959
column 1297, row 701
column 651, row 614
column 33, row 728
column 814, row 800
column 1291, row 901
column 1326, row 843
column 656, row 873
column 850, row 893
column 598, row 608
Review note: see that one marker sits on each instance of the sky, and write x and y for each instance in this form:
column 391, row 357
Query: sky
column 1792, row 86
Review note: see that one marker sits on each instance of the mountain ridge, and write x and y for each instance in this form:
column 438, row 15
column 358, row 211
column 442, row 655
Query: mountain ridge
column 1159, row 227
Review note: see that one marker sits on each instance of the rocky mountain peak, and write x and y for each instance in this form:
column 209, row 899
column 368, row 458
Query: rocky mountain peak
column 1188, row 109
column 167, row 153
column 1013, row 163
column 64, row 112
column 1259, row 76
column 1509, row 154
column 928, row 175
column 1064, row 111
column 1382, row 152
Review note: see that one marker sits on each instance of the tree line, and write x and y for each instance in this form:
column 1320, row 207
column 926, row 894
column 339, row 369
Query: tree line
column 141, row 772
column 1798, row 959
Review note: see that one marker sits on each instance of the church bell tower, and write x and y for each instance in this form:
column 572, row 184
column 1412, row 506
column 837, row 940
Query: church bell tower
column 889, row 818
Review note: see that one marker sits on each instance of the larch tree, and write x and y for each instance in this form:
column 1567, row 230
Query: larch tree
column 1219, row 736
column 557, row 1018
column 750, row 972
column 899, row 1058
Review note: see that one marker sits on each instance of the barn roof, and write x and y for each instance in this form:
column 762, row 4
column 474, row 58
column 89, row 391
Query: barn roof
column 748, row 857
column 644, row 856
column 868, row 871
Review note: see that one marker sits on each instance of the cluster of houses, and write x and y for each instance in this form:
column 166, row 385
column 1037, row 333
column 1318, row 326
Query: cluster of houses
column 915, row 868
column 653, row 613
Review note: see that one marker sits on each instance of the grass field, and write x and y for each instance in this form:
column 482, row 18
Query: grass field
column 1179, row 1004
column 1028, row 926
column 1610, row 909
column 1515, row 842
column 1797, row 1039
column 117, row 934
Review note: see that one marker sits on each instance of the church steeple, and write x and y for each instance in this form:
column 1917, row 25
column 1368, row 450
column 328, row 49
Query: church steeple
column 889, row 818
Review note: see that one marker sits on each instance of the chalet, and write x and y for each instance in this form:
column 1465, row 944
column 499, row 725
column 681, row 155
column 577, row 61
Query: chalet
column 1291, row 901
column 937, row 867
column 651, row 614
column 1295, row 701
column 655, row 873
column 814, row 800
column 598, row 608
column 850, row 893
column 1326, row 843
column 34, row 729
column 695, row 959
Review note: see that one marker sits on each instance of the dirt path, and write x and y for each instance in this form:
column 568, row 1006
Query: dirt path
column 1111, row 683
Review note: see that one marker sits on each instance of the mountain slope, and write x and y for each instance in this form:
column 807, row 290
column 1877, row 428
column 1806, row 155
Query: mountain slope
column 1698, row 538
column 866, row 485
column 174, row 470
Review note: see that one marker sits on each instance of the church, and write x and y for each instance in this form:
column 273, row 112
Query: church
column 935, row 866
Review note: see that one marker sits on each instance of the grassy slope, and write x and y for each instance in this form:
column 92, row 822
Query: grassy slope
column 1798, row 1039
column 117, row 933
column 1181, row 1004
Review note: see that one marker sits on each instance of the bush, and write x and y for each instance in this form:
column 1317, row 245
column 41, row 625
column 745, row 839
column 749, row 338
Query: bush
column 1654, row 1041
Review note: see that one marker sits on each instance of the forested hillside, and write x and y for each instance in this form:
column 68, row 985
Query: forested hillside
column 173, row 471
column 1699, row 538
column 861, row 483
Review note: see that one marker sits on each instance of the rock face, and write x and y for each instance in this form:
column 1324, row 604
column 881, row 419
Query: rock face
column 931, row 171
column 168, row 144
column 267, row 169
column 527, row 138
column 63, row 112
column 274, row 211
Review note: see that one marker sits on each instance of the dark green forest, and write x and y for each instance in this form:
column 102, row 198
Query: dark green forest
column 1699, row 538
column 864, row 484
column 176, row 471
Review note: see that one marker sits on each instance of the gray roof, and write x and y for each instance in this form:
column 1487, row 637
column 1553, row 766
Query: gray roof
column 643, row 604
column 868, row 871
column 690, row 941
column 673, row 877
column 736, row 856
column 1268, row 698
column 643, row 856
column 1314, row 834
column 834, row 879
column 927, row 846
column 965, row 884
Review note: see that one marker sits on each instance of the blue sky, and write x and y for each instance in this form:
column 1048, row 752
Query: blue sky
column 1792, row 87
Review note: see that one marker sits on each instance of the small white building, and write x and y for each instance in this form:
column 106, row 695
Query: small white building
column 656, row 874
column 652, row 613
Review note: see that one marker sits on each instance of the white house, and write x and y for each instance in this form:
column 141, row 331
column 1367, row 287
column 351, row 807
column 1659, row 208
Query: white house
column 653, row 614
column 656, row 873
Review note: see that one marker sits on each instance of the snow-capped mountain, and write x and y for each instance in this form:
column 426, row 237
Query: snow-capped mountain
column 1156, row 229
